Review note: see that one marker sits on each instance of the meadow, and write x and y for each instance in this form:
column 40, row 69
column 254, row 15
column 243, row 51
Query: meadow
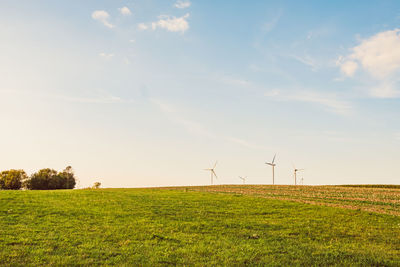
column 214, row 225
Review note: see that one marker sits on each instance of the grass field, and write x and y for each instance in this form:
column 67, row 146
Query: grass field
column 220, row 225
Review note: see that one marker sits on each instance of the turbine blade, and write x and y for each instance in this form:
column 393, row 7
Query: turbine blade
column 215, row 164
column 269, row 163
column 273, row 159
column 215, row 174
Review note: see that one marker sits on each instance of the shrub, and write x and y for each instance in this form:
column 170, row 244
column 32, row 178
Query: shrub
column 12, row 179
column 96, row 185
column 47, row 179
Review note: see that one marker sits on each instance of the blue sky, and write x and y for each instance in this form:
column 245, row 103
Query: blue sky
column 148, row 93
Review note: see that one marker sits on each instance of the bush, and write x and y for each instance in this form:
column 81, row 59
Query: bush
column 48, row 179
column 96, row 185
column 12, row 179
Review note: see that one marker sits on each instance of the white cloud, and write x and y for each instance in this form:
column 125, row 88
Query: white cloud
column 106, row 56
column 379, row 56
column 125, row 11
column 329, row 101
column 386, row 89
column 172, row 24
column 142, row 26
column 182, row 4
column 348, row 67
column 103, row 17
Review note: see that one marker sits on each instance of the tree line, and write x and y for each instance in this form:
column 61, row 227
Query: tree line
column 44, row 179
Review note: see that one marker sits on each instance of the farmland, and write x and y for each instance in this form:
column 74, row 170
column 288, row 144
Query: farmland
column 374, row 198
column 227, row 225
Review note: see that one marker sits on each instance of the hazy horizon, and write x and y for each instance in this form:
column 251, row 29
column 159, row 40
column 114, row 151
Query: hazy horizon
column 150, row 93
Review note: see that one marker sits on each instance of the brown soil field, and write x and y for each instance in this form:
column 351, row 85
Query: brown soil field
column 372, row 199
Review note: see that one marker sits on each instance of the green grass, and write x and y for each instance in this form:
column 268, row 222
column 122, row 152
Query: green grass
column 161, row 227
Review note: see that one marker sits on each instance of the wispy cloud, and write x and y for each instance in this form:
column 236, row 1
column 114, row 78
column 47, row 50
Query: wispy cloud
column 182, row 4
column 245, row 143
column 102, row 16
column 175, row 116
column 102, row 99
column 271, row 24
column 197, row 128
column 306, row 60
column 328, row 101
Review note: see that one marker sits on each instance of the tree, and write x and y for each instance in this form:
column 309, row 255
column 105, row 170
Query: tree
column 49, row 179
column 12, row 179
column 68, row 178
column 96, row 185
column 41, row 180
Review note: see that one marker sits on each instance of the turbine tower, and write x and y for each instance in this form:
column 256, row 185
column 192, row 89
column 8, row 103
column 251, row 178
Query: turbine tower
column 273, row 168
column 295, row 174
column 212, row 172
column 243, row 179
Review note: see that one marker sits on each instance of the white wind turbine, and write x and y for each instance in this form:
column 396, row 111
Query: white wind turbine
column 273, row 168
column 295, row 174
column 243, row 179
column 212, row 172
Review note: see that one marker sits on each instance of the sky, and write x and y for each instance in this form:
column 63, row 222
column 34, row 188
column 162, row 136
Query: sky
column 150, row 93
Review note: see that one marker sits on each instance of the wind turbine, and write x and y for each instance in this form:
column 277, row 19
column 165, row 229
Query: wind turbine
column 295, row 174
column 273, row 168
column 243, row 179
column 212, row 172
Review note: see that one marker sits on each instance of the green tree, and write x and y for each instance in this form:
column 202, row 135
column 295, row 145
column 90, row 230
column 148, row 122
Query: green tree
column 49, row 179
column 68, row 178
column 42, row 180
column 12, row 179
